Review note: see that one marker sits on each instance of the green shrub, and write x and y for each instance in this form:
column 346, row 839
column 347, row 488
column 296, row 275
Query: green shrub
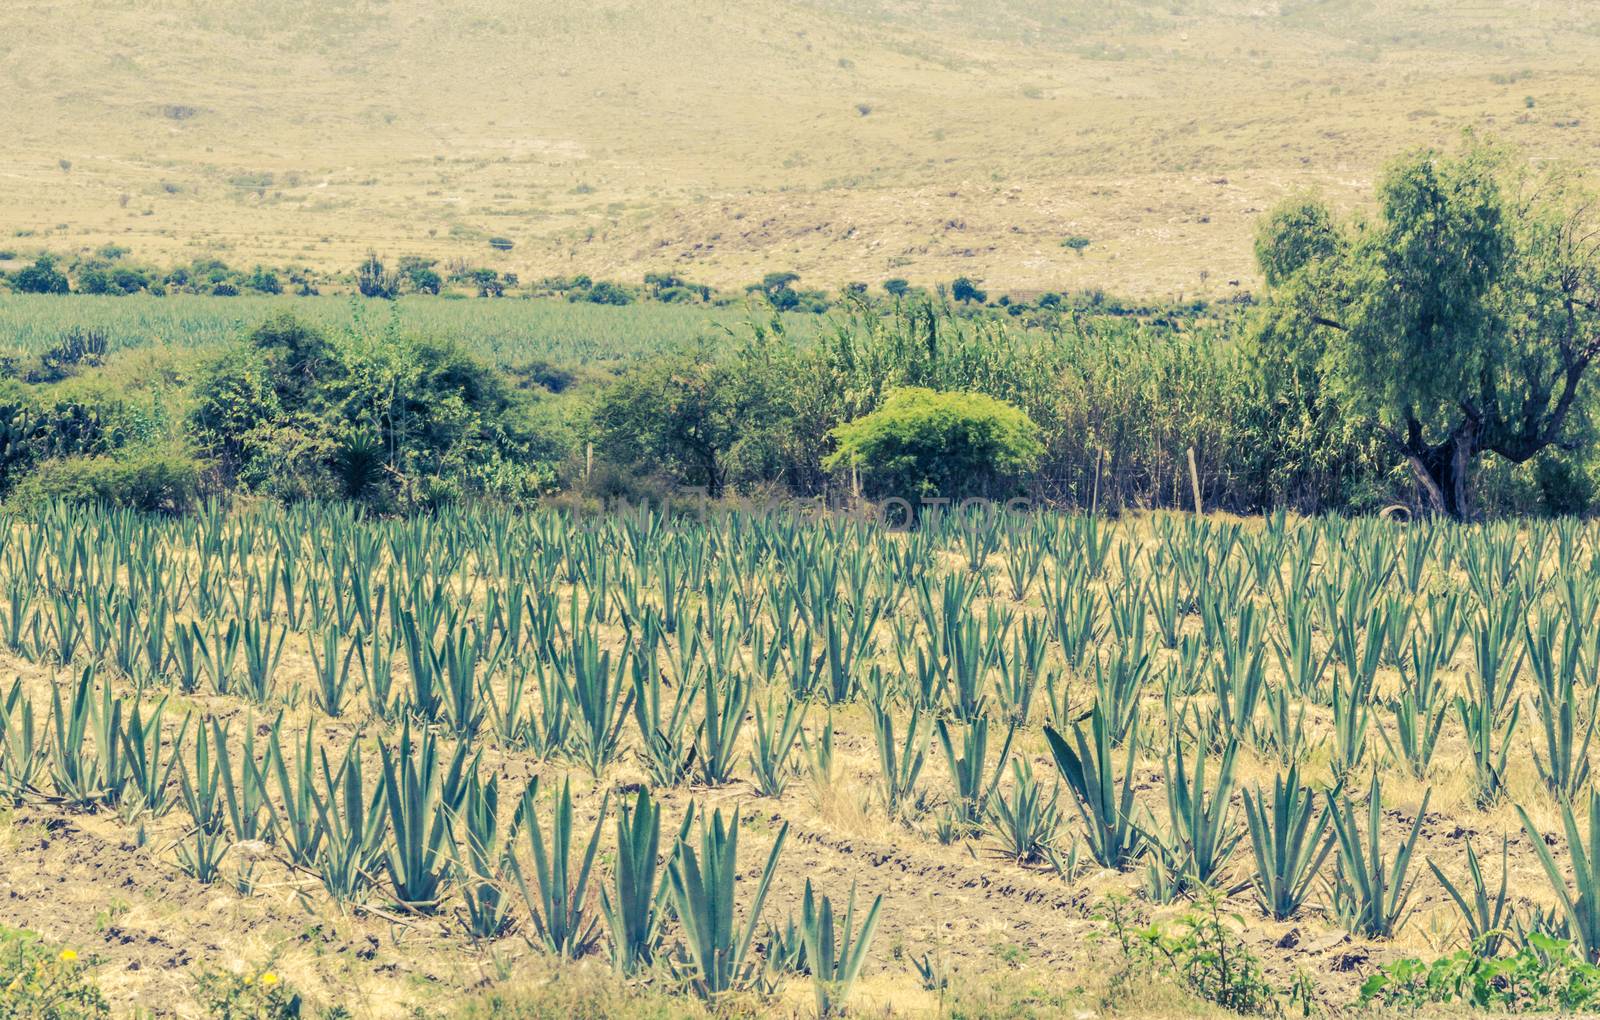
column 965, row 289
column 1544, row 975
column 1564, row 488
column 150, row 480
column 262, row 996
column 925, row 443
column 605, row 292
column 419, row 275
column 264, row 281
column 374, row 281
column 387, row 418
column 78, row 418
column 701, row 418
column 77, row 348
column 1201, row 950
column 40, row 278
column 592, row 993
column 37, row 982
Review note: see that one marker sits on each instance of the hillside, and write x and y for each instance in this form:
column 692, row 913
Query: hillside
column 844, row 139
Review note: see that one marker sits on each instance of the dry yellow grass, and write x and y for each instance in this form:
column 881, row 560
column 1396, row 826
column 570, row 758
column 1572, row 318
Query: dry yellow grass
column 845, row 139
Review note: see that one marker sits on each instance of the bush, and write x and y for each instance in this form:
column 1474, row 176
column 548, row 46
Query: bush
column 607, row 293
column 77, row 347
column 153, row 481
column 1201, row 952
column 1543, row 975
column 419, row 275
column 703, row 419
column 374, row 281
column 264, row 281
column 40, row 278
column 387, row 418
column 262, row 996
column 234, row 395
column 70, row 420
column 964, row 289
column 94, row 280
column 1563, row 486
column 126, row 280
column 38, row 982
column 926, row 443
column 593, row 993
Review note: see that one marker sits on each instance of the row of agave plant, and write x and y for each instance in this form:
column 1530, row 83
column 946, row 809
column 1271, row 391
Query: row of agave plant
column 431, row 829
column 719, row 650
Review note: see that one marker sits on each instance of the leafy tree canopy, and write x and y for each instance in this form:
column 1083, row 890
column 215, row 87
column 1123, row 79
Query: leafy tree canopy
column 1459, row 318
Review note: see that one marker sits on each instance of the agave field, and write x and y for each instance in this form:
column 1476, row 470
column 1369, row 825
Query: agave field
column 799, row 762
column 508, row 330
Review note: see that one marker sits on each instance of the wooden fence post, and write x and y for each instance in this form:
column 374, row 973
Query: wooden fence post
column 1194, row 481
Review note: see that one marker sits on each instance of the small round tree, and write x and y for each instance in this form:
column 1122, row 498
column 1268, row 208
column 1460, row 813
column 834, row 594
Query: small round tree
column 922, row 443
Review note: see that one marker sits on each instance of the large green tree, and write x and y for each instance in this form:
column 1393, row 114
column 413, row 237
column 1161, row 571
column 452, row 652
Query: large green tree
column 1459, row 318
column 704, row 417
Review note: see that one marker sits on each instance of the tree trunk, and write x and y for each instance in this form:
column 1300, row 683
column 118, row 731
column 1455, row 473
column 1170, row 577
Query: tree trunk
column 1444, row 471
column 714, row 474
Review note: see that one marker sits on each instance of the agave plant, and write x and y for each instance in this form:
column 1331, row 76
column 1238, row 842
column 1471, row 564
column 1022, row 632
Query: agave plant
column 773, row 746
column 835, row 958
column 19, row 750
column 151, row 761
column 723, row 717
column 332, row 675
column 716, row 958
column 1024, row 822
column 297, row 826
column 484, row 858
column 974, row 785
column 594, row 688
column 557, row 902
column 354, row 825
column 87, row 766
column 1290, row 839
column 1489, row 916
column 1372, row 897
column 418, row 859
column 634, row 904
column 663, row 722
column 1203, row 832
column 244, row 793
column 1580, row 901
column 1568, row 726
column 1103, row 793
column 900, row 761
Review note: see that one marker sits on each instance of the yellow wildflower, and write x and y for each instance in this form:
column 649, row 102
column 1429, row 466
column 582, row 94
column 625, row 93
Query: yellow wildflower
column 269, row 978
column 67, row 956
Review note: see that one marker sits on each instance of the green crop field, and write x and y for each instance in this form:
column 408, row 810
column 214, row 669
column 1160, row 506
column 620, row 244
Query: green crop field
column 513, row 331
